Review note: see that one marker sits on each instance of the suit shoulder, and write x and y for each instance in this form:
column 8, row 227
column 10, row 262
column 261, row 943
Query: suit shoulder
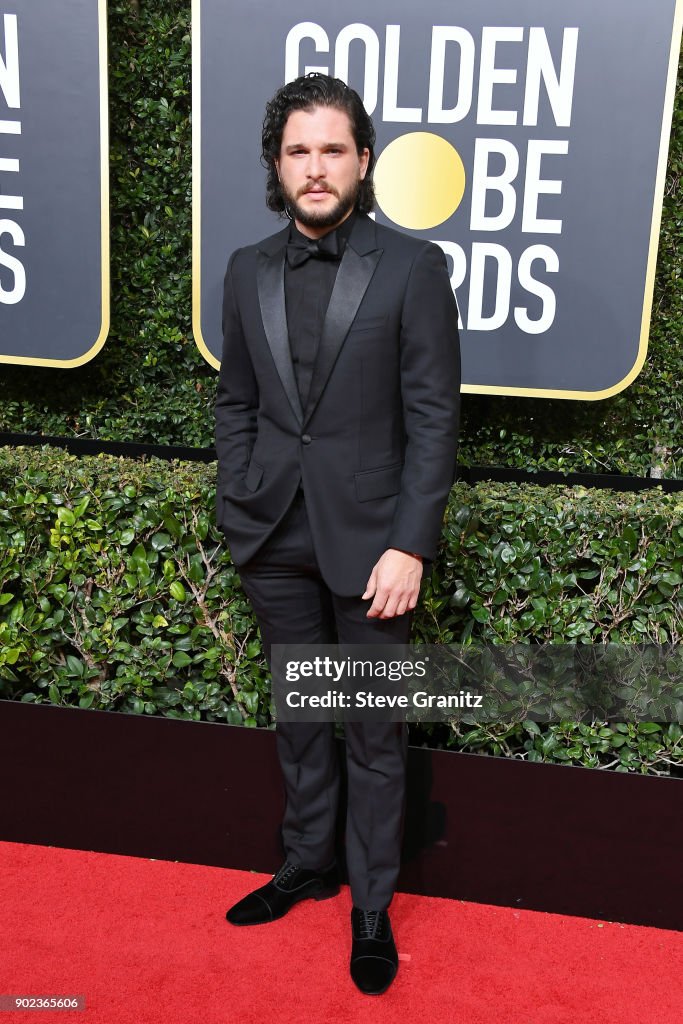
column 406, row 245
column 270, row 244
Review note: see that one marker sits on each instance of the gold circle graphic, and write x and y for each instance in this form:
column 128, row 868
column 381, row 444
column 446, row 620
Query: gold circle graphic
column 419, row 180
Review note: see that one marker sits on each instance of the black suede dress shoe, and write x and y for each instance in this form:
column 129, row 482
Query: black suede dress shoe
column 374, row 960
column 290, row 885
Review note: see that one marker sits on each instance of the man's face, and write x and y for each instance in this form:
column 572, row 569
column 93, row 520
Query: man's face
column 320, row 168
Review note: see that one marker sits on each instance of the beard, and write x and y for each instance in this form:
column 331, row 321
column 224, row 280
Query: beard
column 321, row 218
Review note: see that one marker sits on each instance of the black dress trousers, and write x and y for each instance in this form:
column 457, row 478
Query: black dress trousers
column 293, row 605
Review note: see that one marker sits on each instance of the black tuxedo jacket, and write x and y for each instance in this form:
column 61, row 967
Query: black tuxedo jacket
column 375, row 447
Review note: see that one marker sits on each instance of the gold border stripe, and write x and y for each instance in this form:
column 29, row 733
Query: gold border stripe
column 197, row 188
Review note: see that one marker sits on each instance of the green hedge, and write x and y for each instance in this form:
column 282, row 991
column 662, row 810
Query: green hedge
column 117, row 592
column 150, row 382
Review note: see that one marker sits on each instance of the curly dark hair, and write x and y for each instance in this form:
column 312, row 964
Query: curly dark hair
column 304, row 93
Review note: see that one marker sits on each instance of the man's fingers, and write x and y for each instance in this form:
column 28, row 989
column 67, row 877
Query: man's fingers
column 401, row 608
column 390, row 610
column 397, row 603
column 371, row 586
column 394, row 589
column 376, row 609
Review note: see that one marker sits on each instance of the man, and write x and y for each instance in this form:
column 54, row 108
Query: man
column 336, row 426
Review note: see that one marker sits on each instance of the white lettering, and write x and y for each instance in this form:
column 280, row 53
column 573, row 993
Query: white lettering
column 534, row 287
column 481, row 251
column 482, row 281
column 490, row 75
column 560, row 88
column 304, row 30
column 483, row 182
column 9, row 65
column 391, row 110
column 453, row 51
column 441, row 36
column 341, row 60
column 10, row 202
column 535, row 186
column 16, row 294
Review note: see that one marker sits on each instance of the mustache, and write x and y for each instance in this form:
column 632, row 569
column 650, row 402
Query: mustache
column 318, row 185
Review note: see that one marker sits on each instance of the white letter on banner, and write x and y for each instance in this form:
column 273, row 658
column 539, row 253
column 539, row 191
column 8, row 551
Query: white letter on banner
column 10, row 202
column 304, row 30
column 482, row 183
column 392, row 112
column 9, row 67
column 476, row 321
column 436, row 112
column 490, row 75
column 560, row 88
column 534, row 287
column 535, row 185
column 341, row 60
column 10, row 298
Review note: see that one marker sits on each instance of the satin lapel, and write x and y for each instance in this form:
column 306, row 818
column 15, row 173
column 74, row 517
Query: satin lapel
column 271, row 292
column 353, row 277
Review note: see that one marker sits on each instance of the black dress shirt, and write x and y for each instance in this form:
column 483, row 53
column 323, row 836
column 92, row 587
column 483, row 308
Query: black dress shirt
column 308, row 289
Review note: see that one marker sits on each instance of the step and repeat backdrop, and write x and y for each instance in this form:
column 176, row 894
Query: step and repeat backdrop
column 529, row 140
column 54, row 166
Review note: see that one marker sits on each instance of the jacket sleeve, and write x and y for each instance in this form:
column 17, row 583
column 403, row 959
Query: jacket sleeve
column 430, row 390
column 237, row 396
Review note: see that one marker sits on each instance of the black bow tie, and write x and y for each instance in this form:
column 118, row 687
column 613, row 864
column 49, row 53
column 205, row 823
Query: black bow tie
column 326, row 248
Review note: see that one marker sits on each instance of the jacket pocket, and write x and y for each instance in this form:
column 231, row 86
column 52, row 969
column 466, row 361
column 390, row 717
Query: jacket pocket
column 368, row 323
column 378, row 483
column 254, row 476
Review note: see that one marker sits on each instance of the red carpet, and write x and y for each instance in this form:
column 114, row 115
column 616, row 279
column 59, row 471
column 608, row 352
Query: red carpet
column 146, row 941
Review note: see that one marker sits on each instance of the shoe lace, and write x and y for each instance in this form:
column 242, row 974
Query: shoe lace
column 369, row 923
column 285, row 873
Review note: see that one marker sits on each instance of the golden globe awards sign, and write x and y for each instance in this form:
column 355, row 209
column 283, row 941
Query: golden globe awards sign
column 529, row 140
column 54, row 203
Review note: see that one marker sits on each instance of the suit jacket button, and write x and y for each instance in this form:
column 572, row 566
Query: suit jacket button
column 306, row 438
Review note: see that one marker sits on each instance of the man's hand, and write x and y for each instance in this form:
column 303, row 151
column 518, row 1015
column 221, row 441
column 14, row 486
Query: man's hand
column 394, row 583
